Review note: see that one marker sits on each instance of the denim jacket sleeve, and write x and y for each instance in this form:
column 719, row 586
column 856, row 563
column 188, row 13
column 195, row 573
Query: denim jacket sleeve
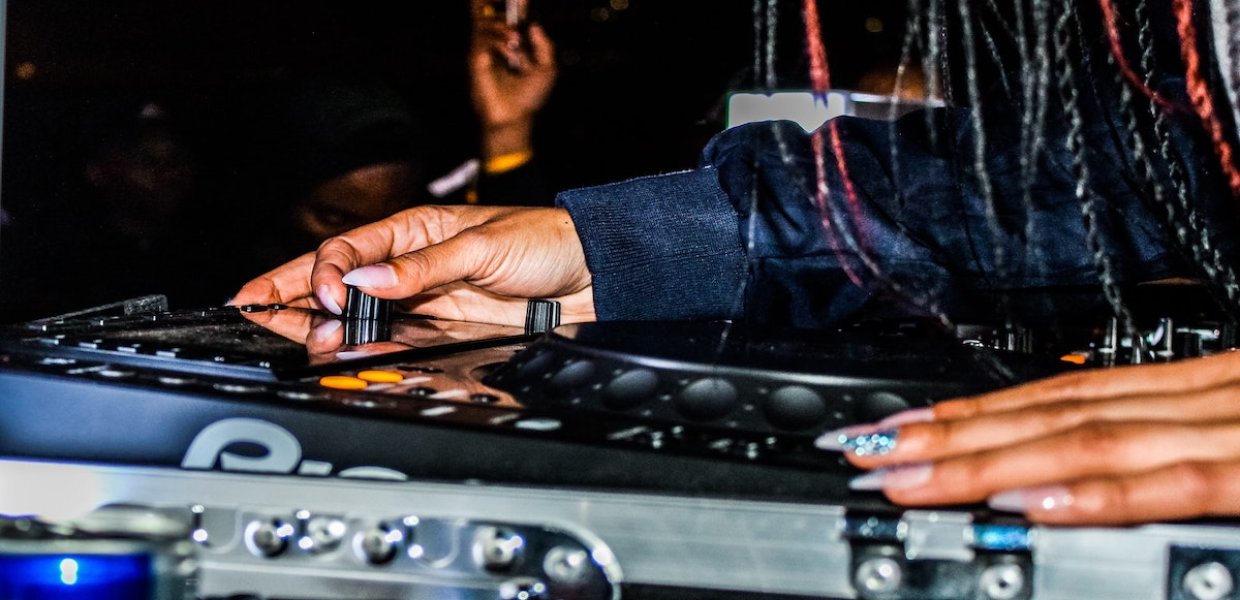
column 743, row 235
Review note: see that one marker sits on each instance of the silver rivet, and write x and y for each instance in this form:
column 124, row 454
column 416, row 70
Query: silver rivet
column 879, row 575
column 1002, row 582
column 522, row 588
column 1208, row 581
column 567, row 565
column 378, row 545
column 268, row 538
column 497, row 548
column 324, row 534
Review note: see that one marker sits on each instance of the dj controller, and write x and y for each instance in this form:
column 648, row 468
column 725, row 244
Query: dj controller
column 273, row 452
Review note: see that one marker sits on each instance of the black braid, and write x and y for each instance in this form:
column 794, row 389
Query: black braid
column 979, row 145
column 1069, row 95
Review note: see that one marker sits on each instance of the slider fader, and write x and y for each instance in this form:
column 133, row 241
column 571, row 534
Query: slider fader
column 367, row 319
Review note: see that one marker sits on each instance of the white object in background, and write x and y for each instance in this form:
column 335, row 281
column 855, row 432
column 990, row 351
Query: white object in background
column 805, row 108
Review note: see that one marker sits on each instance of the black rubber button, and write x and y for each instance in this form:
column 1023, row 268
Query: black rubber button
column 537, row 365
column 572, row 375
column 706, row 399
column 880, row 405
column 795, row 407
column 630, row 389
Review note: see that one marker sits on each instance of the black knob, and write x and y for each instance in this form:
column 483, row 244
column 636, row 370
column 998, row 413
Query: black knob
column 572, row 375
column 795, row 407
column 707, row 399
column 630, row 389
column 880, row 405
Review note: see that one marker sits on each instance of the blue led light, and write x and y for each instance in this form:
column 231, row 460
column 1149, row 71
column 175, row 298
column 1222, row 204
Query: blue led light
column 1007, row 538
column 74, row 577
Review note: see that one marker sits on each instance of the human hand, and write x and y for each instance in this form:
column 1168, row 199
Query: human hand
column 510, row 80
column 1124, row 445
column 469, row 263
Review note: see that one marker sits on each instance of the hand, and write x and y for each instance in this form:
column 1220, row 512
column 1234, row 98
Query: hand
column 470, row 263
column 510, row 80
column 1124, row 445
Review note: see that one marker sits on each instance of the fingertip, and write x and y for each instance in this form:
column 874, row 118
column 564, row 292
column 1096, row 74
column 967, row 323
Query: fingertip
column 326, row 336
column 327, row 300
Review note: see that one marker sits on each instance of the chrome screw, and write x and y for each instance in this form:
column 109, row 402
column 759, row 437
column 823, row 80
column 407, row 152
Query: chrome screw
column 1208, row 581
column 879, row 575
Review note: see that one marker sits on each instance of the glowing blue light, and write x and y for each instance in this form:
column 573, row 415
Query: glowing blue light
column 1007, row 538
column 76, row 577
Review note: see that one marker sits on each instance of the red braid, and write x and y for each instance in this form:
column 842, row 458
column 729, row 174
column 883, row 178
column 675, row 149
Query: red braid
column 1121, row 60
column 820, row 81
column 1199, row 93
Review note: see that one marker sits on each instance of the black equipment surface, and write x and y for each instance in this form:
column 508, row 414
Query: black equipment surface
column 680, row 408
column 599, row 460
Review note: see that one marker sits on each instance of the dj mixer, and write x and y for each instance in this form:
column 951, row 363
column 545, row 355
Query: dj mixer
column 267, row 451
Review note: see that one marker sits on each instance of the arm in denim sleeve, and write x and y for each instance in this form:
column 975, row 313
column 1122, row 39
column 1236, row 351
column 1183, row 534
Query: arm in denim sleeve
column 744, row 236
column 662, row 247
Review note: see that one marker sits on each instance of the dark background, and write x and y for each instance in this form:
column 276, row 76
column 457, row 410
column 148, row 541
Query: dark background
column 641, row 89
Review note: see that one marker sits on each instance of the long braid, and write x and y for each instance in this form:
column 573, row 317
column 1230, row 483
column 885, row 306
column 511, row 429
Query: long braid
column 912, row 32
column 1069, row 95
column 772, row 28
column 1199, row 92
column 984, row 184
column 1188, row 237
column 993, row 47
column 839, row 238
column 1233, row 53
column 1186, row 221
column 930, row 64
column 757, row 43
column 1110, row 22
column 1040, row 104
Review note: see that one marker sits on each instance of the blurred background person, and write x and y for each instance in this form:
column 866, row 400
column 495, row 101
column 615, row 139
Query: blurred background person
column 347, row 149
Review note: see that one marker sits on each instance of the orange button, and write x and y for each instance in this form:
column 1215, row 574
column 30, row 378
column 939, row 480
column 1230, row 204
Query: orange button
column 1076, row 359
column 381, row 376
column 343, row 382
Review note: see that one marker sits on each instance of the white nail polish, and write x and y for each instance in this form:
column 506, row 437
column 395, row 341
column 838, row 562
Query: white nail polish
column 324, row 294
column 893, row 478
column 372, row 276
column 325, row 331
column 1046, row 498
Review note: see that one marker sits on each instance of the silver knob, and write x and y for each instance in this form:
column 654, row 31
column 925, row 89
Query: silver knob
column 323, row 534
column 268, row 538
column 497, row 548
column 1002, row 582
column 522, row 588
column 878, row 575
column 379, row 544
column 1208, row 581
column 566, row 565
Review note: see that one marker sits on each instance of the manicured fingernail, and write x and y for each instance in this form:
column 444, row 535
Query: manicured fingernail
column 325, row 298
column 893, row 478
column 323, row 333
column 1052, row 497
column 836, row 439
column 904, row 417
column 353, row 354
column 228, row 302
column 372, row 276
column 860, row 440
